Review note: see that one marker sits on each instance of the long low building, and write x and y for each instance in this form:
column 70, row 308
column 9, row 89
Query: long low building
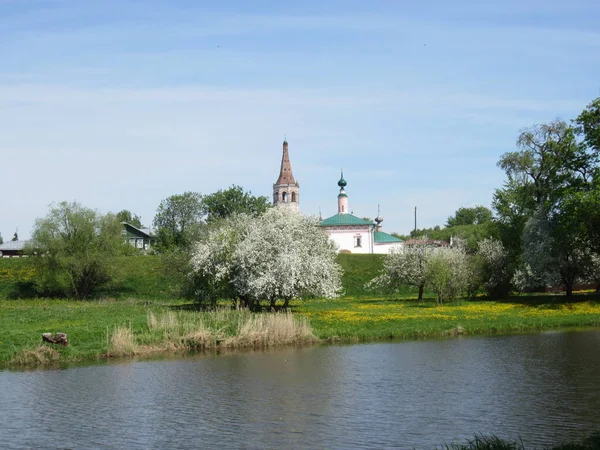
column 12, row 248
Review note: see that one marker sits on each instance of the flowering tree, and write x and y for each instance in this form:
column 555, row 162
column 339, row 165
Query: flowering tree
column 279, row 255
column 448, row 273
column 212, row 261
column 404, row 267
column 495, row 267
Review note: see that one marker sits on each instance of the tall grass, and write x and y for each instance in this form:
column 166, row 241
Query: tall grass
column 226, row 328
column 495, row 443
column 41, row 355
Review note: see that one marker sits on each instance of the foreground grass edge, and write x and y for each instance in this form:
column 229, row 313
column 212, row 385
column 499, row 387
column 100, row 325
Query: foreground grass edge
column 107, row 329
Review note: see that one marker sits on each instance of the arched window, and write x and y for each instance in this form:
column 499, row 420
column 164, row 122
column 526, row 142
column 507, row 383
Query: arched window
column 284, row 198
column 293, row 197
column 358, row 241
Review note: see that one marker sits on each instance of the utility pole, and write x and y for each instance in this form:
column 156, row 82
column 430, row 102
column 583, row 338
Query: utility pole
column 415, row 219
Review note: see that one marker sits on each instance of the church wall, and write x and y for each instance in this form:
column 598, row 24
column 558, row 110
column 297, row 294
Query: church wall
column 347, row 240
column 383, row 249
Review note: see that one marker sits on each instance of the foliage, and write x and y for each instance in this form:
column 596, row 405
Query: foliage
column 279, row 255
column 225, row 203
column 495, row 267
column 73, row 250
column 470, row 216
column 588, row 125
column 447, row 273
column 178, row 220
column 132, row 219
column 545, row 209
column 548, row 160
column 470, row 234
column 1, row 240
column 405, row 267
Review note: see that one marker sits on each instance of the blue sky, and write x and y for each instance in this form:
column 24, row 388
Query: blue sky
column 119, row 104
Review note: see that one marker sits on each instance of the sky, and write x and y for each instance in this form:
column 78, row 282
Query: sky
column 119, row 104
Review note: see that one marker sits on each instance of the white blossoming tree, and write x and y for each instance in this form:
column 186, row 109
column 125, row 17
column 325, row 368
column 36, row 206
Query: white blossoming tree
column 404, row 267
column 279, row 255
column 448, row 273
column 495, row 268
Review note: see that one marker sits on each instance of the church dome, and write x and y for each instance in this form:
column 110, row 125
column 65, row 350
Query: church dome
column 342, row 183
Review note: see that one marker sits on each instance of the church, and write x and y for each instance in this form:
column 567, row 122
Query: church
column 351, row 234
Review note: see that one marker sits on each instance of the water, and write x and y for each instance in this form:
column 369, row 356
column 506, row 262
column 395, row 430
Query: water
column 543, row 388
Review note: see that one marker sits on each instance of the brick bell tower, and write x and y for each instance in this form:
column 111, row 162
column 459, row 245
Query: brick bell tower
column 286, row 191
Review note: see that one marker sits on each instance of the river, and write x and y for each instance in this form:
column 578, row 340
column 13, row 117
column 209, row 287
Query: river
column 543, row 388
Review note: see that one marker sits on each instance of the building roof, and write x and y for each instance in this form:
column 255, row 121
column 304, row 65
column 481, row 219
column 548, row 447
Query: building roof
column 144, row 232
column 13, row 246
column 285, row 174
column 427, row 242
column 384, row 238
column 344, row 219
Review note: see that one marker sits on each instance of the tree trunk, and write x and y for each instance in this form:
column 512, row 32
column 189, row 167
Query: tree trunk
column 569, row 289
column 286, row 303
column 420, row 292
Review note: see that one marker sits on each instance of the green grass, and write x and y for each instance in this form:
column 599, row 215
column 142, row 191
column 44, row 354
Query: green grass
column 144, row 277
column 135, row 276
column 90, row 324
column 363, row 319
column 100, row 329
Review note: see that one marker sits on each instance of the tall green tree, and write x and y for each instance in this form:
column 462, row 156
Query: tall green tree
column 178, row 220
column 549, row 170
column 73, row 250
column 547, row 161
column 588, row 126
column 127, row 216
column 470, row 216
column 234, row 200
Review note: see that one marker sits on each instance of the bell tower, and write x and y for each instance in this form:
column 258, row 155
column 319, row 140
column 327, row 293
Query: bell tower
column 286, row 191
column 342, row 197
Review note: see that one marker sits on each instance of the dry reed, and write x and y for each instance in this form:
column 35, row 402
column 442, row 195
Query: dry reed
column 41, row 355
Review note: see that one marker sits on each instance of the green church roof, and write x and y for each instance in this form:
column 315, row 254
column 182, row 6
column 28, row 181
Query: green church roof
column 384, row 238
column 344, row 219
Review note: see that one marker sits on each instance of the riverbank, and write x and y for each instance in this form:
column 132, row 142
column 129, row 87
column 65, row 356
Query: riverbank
column 107, row 328
column 361, row 319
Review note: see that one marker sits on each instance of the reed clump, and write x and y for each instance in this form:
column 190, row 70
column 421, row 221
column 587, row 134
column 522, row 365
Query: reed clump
column 41, row 355
column 220, row 328
column 122, row 341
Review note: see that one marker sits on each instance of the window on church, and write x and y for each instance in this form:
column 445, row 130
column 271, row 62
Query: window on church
column 293, row 197
column 357, row 241
column 284, row 198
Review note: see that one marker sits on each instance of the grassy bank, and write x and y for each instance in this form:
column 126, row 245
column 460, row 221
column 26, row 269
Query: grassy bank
column 103, row 329
column 99, row 329
column 372, row 319
column 143, row 277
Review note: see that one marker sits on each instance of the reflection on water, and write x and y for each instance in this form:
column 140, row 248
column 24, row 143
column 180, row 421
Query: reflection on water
column 544, row 388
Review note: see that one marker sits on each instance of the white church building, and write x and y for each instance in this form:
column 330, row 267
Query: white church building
column 351, row 234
